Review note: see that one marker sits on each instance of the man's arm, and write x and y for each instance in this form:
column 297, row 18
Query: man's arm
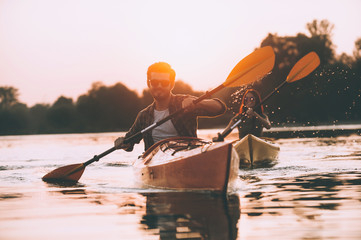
column 214, row 107
column 119, row 142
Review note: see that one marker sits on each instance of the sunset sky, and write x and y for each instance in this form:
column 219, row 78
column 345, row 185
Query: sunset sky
column 50, row 48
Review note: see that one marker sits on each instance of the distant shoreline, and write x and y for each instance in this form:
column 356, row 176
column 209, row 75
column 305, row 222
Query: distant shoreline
column 297, row 131
column 274, row 132
column 313, row 131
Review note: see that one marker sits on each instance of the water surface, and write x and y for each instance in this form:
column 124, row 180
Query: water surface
column 313, row 192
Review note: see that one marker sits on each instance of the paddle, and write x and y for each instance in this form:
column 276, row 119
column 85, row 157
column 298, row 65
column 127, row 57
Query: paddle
column 301, row 69
column 249, row 69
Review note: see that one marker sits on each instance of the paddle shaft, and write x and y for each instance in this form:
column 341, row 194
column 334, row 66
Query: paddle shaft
column 227, row 131
column 97, row 157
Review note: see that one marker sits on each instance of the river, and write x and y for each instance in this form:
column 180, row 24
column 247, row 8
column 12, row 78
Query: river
column 313, row 192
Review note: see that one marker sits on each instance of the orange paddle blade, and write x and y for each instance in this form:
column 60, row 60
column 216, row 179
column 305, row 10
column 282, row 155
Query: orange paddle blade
column 251, row 68
column 303, row 67
column 67, row 173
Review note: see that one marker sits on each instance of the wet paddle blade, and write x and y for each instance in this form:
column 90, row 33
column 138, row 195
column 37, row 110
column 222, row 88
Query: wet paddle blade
column 251, row 68
column 67, row 173
column 303, row 67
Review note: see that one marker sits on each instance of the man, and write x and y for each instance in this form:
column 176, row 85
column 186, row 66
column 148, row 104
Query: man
column 160, row 80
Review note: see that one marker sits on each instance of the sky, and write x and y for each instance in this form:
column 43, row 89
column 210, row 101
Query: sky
column 50, row 48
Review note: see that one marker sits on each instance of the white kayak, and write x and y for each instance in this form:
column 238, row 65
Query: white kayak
column 256, row 152
column 184, row 163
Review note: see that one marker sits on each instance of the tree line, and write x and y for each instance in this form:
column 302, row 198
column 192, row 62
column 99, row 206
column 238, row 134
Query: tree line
column 329, row 95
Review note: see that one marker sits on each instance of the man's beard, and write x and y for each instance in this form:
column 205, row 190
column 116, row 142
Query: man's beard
column 160, row 94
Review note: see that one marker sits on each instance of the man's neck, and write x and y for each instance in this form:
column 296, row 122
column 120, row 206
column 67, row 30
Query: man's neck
column 162, row 104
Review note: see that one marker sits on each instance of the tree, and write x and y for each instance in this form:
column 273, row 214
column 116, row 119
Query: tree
column 62, row 115
column 14, row 119
column 321, row 38
column 322, row 29
column 14, row 116
column 108, row 108
column 8, row 97
column 181, row 87
column 357, row 55
column 315, row 98
column 357, row 50
column 39, row 123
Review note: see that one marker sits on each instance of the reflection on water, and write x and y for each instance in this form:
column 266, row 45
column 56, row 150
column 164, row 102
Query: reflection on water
column 311, row 202
column 313, row 192
column 179, row 215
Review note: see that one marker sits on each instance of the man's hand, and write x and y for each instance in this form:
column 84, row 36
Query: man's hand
column 188, row 104
column 210, row 105
column 219, row 138
column 119, row 143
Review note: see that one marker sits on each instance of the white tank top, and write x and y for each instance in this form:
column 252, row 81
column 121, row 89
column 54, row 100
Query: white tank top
column 165, row 130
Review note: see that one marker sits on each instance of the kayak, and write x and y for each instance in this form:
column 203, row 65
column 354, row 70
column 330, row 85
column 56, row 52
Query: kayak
column 256, row 152
column 186, row 163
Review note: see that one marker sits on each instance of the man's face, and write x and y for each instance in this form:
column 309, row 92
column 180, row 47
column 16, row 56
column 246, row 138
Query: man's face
column 160, row 85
